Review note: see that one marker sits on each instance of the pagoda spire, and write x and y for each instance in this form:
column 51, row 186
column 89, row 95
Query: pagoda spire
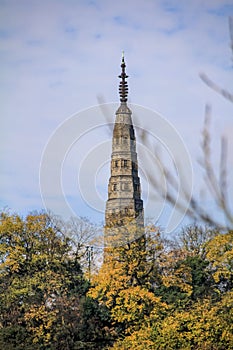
column 123, row 86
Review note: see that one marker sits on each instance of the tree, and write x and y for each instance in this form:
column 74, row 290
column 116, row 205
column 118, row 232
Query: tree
column 220, row 256
column 85, row 237
column 194, row 283
column 43, row 290
column 125, row 282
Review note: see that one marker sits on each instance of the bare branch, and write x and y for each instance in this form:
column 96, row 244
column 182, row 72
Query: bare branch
column 216, row 88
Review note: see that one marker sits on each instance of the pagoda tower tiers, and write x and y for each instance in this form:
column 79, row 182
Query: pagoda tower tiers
column 124, row 202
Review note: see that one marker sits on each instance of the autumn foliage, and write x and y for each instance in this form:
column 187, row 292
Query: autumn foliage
column 149, row 293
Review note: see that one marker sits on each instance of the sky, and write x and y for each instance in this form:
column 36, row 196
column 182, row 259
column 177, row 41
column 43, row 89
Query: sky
column 60, row 60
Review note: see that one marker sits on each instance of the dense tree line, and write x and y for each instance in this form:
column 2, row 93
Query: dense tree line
column 148, row 293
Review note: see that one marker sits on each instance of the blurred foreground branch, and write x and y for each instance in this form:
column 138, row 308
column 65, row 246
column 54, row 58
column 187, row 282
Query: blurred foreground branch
column 216, row 184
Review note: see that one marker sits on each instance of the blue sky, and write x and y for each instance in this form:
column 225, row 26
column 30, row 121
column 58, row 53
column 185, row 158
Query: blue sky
column 57, row 58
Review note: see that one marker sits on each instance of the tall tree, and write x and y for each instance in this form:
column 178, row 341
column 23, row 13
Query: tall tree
column 125, row 282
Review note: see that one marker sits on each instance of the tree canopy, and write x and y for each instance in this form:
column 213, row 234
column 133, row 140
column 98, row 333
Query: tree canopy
column 149, row 293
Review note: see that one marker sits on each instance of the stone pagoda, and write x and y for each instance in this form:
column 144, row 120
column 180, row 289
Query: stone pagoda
column 124, row 202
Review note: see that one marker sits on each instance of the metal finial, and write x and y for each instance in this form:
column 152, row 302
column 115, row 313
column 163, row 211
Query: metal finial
column 123, row 87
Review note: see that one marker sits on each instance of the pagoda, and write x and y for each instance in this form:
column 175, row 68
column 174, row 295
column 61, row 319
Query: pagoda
column 124, row 203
